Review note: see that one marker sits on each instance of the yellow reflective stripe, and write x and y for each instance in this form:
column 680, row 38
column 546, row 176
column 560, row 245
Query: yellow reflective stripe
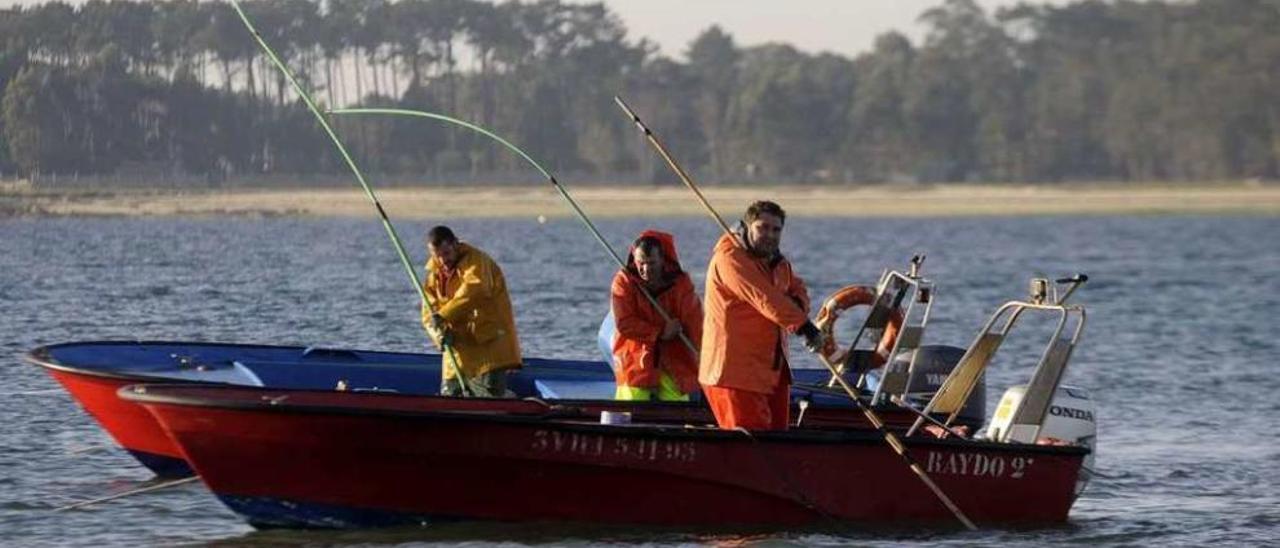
column 632, row 393
column 668, row 390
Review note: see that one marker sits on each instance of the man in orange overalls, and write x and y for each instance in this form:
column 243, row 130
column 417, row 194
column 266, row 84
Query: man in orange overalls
column 650, row 359
column 753, row 301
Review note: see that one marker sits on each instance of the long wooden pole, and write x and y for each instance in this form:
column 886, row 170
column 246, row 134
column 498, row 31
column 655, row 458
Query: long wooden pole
column 684, row 177
column 896, row 444
column 889, row 437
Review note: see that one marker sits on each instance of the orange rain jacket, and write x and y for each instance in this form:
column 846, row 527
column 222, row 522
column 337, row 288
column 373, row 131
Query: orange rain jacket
column 474, row 302
column 637, row 352
column 750, row 301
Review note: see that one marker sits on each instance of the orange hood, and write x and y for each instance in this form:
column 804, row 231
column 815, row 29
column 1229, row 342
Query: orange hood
column 668, row 243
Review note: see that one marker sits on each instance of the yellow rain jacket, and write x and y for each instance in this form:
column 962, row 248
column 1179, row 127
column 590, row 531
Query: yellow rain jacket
column 474, row 302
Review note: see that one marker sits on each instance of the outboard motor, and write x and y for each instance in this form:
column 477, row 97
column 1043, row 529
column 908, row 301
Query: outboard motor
column 932, row 367
column 1071, row 420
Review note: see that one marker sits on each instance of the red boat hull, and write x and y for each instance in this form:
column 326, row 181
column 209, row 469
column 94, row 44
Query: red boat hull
column 138, row 432
column 128, row 423
column 336, row 460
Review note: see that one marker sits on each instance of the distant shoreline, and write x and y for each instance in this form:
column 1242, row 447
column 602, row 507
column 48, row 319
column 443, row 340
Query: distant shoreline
column 654, row 201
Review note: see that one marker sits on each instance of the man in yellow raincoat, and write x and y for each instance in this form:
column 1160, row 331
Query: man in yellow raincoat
column 472, row 316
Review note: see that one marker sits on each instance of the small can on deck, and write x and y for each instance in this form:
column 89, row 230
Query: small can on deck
column 615, row 417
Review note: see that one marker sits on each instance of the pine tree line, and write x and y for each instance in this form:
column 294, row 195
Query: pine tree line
column 1087, row 91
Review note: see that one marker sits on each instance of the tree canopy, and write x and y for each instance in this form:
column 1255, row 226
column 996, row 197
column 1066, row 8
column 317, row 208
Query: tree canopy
column 1092, row 90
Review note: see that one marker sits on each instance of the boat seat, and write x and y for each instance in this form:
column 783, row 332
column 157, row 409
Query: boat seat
column 237, row 374
column 575, row 390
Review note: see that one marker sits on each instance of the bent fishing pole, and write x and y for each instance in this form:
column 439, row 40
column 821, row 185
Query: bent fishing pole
column 445, row 346
column 550, row 178
column 889, row 437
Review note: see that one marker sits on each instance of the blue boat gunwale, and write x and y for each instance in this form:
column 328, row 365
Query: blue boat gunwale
column 43, row 356
column 809, row 436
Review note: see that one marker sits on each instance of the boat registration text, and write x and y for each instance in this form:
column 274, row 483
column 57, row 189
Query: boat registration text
column 598, row 445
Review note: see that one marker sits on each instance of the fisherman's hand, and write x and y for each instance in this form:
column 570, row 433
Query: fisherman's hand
column 437, row 323
column 670, row 330
column 442, row 338
column 812, row 337
column 439, row 332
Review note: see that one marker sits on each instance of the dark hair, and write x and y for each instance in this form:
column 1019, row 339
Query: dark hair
column 649, row 244
column 440, row 234
column 764, row 207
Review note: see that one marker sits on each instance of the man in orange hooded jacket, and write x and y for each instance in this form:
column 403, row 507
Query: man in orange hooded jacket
column 650, row 358
column 753, row 300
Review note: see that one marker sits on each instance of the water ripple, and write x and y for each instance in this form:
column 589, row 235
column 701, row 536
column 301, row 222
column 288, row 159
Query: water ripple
column 1179, row 355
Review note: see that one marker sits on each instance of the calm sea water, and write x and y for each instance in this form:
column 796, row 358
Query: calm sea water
column 1180, row 353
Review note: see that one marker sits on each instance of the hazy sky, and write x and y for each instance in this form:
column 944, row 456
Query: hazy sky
column 847, row 27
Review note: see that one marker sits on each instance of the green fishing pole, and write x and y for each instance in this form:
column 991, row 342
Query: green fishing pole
column 551, row 178
column 368, row 191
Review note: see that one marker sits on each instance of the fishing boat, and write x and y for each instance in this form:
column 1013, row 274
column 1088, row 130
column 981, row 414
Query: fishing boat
column 305, row 458
column 92, row 372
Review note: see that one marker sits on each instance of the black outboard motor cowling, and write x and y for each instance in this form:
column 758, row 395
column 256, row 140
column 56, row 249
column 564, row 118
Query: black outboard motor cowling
column 935, row 363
